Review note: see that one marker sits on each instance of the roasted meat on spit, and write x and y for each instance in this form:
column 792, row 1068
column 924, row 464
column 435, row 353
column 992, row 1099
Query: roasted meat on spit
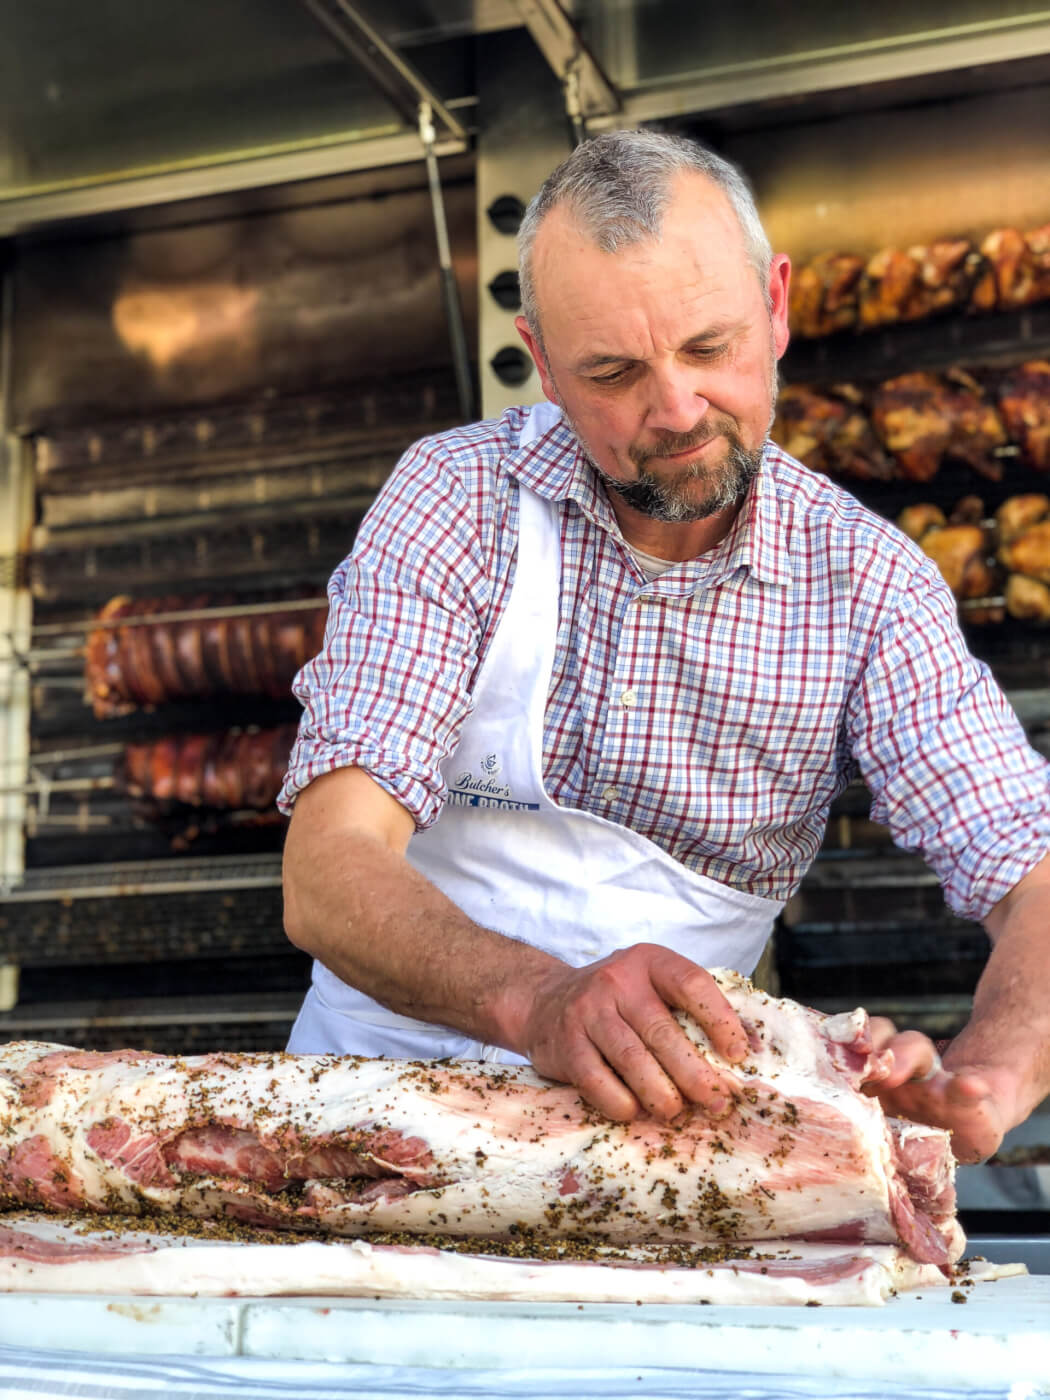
column 960, row 546
column 156, row 662
column 823, row 295
column 1018, row 512
column 1024, row 402
column 1017, row 269
column 830, row 432
column 226, row 771
column 1027, row 598
column 961, row 554
column 908, row 285
column 1023, row 524
column 835, row 291
column 916, row 520
column 1024, row 548
column 924, row 418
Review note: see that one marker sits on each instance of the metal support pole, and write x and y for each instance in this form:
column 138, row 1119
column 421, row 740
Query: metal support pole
column 16, row 516
column 573, row 106
column 453, row 310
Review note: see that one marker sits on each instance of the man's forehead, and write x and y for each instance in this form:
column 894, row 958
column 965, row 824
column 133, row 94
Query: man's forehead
column 692, row 196
column 688, row 285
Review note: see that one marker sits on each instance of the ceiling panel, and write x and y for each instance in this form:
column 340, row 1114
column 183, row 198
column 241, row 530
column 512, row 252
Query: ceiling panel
column 121, row 89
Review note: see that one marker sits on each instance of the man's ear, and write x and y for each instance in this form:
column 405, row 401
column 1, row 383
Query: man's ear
column 539, row 359
column 779, row 282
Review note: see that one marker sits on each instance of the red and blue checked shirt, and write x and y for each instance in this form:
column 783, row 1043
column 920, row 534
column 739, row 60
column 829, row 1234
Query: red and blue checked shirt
column 717, row 710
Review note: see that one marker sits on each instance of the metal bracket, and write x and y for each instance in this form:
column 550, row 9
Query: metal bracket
column 588, row 91
column 395, row 77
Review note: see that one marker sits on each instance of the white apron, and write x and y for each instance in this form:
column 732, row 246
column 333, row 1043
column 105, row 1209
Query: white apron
column 566, row 881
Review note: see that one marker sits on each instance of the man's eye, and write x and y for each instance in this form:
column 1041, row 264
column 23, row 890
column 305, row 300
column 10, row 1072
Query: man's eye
column 708, row 352
column 614, row 377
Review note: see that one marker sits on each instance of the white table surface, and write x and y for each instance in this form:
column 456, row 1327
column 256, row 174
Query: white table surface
column 998, row 1339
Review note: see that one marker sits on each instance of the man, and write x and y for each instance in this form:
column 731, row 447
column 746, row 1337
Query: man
column 592, row 678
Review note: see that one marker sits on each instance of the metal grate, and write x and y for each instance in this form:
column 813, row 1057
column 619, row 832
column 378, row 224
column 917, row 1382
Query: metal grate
column 155, row 877
column 167, row 1025
column 241, row 923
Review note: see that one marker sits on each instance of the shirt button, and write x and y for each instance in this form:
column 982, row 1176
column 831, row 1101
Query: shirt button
column 610, row 794
column 629, row 697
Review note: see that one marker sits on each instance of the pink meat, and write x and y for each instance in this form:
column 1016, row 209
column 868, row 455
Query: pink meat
column 24, row 1245
column 138, row 1157
column 218, row 1150
column 352, row 1146
column 32, row 1172
column 925, row 1168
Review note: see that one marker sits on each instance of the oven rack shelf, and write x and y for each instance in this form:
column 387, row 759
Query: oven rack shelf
column 148, row 877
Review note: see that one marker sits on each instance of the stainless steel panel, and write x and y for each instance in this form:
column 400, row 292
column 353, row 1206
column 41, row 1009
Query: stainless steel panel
column 93, row 95
column 285, row 302
column 649, row 46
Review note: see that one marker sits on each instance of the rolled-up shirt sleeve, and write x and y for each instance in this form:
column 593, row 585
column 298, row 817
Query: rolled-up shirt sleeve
column 948, row 764
column 390, row 687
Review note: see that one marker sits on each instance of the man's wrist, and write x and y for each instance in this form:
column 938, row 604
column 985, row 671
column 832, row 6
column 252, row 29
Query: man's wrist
column 515, row 996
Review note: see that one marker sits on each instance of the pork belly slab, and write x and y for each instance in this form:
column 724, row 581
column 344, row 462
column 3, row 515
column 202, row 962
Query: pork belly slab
column 52, row 1254
column 351, row 1146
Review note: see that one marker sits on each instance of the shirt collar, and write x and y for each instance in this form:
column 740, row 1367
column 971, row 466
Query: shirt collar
column 555, row 467
column 757, row 538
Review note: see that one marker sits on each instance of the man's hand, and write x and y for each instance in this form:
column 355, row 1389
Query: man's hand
column 608, row 1029
column 967, row 1099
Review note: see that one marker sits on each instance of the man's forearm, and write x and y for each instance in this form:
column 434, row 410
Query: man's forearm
column 1008, row 1034
column 380, row 926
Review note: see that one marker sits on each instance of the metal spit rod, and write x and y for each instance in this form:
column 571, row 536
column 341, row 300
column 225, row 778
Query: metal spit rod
column 32, row 656
column 90, row 624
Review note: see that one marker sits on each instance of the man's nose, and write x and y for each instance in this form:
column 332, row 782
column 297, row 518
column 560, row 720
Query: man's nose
column 676, row 401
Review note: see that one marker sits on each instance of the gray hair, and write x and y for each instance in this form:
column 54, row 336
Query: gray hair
column 618, row 185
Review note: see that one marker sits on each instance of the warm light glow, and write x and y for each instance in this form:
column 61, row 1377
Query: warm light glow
column 165, row 325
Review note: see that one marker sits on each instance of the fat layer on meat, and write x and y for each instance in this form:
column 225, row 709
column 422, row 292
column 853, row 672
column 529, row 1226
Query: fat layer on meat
column 49, row 1254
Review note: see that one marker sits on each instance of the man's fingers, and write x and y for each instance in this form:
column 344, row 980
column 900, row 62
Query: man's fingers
column 915, row 1058
column 659, row 1064
column 689, row 988
column 609, row 1028
column 882, row 1031
column 603, row 1089
column 962, row 1102
column 696, row 1078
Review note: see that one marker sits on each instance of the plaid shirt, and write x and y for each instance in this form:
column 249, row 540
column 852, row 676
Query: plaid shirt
column 717, row 710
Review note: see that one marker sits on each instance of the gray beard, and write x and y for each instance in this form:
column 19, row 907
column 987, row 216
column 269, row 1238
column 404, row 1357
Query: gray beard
column 674, row 502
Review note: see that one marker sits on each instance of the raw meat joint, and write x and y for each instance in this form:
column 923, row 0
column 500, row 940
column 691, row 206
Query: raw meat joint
column 805, row 1181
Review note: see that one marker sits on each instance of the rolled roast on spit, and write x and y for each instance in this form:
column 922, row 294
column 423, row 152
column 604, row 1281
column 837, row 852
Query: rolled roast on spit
column 226, row 770
column 349, row 1146
column 153, row 663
